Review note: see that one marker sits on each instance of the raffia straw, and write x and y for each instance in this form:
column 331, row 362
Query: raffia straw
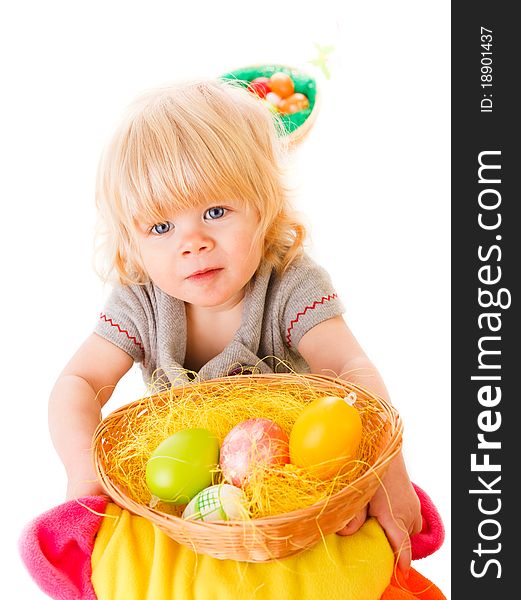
column 290, row 509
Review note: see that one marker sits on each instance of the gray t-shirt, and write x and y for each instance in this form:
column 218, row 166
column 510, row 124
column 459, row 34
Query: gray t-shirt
column 150, row 325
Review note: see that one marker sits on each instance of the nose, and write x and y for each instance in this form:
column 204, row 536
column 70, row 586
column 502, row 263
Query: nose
column 195, row 242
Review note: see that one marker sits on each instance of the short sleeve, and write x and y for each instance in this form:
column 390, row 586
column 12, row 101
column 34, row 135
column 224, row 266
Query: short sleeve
column 307, row 299
column 123, row 320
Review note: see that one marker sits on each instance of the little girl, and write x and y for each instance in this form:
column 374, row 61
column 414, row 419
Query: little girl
column 210, row 277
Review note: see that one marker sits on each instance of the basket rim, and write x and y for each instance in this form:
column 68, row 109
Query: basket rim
column 380, row 463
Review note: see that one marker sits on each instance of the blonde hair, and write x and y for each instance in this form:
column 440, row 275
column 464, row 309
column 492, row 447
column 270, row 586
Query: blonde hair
column 185, row 145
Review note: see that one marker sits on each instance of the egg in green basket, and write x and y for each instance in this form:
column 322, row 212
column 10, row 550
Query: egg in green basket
column 182, row 465
column 222, row 502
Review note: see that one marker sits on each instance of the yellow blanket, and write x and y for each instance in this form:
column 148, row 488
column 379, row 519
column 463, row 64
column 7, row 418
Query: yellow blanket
column 133, row 560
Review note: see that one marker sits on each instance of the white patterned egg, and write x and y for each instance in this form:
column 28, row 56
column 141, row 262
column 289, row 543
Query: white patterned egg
column 222, row 502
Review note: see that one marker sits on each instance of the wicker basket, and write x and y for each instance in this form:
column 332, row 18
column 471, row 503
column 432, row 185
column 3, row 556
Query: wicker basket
column 298, row 124
column 274, row 537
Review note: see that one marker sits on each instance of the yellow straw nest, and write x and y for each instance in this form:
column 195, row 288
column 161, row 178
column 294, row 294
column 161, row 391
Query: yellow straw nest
column 290, row 510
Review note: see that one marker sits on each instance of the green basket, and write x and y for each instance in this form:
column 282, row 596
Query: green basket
column 296, row 125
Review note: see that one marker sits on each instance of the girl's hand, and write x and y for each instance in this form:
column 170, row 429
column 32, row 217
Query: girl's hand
column 397, row 508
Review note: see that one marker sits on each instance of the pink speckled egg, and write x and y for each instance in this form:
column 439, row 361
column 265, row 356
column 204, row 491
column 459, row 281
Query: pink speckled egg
column 250, row 443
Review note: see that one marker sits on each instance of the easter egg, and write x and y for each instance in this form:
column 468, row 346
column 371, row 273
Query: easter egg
column 281, row 84
column 293, row 103
column 259, row 88
column 182, row 465
column 273, row 98
column 262, row 79
column 222, row 502
column 250, row 444
column 325, row 436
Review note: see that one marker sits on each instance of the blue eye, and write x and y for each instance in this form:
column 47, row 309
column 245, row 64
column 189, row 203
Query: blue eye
column 161, row 228
column 215, row 213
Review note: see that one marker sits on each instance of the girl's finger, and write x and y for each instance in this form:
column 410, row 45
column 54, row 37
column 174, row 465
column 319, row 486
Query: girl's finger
column 355, row 523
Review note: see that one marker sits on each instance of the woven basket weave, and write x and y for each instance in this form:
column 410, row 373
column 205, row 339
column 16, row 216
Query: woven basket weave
column 274, row 537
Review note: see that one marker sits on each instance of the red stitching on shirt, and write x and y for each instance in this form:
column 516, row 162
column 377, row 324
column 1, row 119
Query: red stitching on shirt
column 130, row 337
column 300, row 314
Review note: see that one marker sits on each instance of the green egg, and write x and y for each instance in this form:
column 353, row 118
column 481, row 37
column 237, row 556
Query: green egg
column 182, row 465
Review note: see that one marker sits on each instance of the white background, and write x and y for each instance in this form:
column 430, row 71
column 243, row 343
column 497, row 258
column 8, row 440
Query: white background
column 373, row 183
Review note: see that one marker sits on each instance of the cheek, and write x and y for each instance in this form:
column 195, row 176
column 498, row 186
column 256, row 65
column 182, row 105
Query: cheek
column 154, row 261
column 244, row 237
column 246, row 247
column 146, row 257
column 249, row 260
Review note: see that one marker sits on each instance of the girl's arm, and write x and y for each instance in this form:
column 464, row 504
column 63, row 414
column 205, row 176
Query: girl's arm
column 330, row 348
column 81, row 390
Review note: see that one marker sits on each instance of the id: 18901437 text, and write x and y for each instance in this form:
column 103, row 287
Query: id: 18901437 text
column 486, row 70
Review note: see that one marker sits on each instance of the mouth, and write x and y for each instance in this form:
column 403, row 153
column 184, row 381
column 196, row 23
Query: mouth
column 204, row 274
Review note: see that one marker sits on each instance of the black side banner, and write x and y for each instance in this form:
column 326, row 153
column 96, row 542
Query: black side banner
column 486, row 257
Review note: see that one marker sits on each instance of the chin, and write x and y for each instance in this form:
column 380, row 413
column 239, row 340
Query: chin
column 207, row 300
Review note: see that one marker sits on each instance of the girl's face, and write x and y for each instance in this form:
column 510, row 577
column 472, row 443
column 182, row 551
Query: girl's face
column 203, row 255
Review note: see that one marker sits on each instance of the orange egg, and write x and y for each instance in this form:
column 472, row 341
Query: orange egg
column 281, row 84
column 326, row 436
column 293, row 104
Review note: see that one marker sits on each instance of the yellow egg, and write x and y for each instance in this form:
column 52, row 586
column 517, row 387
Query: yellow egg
column 326, row 436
